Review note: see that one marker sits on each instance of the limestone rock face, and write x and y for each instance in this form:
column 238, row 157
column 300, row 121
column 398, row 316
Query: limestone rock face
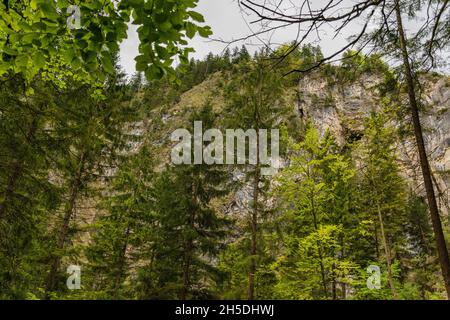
column 437, row 124
column 341, row 109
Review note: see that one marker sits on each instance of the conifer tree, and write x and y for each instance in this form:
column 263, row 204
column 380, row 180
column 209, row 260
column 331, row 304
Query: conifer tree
column 315, row 208
column 120, row 231
column 382, row 181
column 187, row 229
column 26, row 194
column 255, row 101
column 91, row 135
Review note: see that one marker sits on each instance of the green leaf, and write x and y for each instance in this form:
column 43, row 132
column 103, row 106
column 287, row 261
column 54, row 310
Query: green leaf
column 4, row 67
column 22, row 60
column 29, row 37
column 38, row 60
column 107, row 62
column 9, row 51
column 63, row 4
column 205, row 32
column 166, row 26
column 196, row 16
column 191, row 30
column 49, row 10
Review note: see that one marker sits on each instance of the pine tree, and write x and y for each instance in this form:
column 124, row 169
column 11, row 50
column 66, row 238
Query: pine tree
column 315, row 207
column 91, row 134
column 386, row 191
column 26, row 194
column 414, row 103
column 120, row 230
column 254, row 93
column 187, row 229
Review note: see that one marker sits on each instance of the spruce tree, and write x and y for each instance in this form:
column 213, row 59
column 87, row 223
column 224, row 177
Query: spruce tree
column 92, row 133
column 187, row 229
column 385, row 199
column 315, row 213
column 254, row 94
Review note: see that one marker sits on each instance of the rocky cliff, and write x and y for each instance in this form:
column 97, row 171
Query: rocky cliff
column 342, row 108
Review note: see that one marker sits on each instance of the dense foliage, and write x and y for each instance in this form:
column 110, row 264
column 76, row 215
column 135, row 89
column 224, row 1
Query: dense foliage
column 37, row 35
column 84, row 182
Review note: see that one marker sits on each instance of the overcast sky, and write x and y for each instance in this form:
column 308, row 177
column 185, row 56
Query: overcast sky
column 228, row 23
column 222, row 15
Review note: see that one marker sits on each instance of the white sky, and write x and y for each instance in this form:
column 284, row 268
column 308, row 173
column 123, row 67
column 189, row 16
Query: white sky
column 228, row 23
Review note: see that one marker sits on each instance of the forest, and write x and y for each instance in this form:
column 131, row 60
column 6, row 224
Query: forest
column 93, row 208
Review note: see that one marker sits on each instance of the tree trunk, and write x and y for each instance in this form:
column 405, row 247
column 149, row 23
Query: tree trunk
column 254, row 214
column 187, row 270
column 432, row 204
column 377, row 246
column 333, row 283
column 319, row 248
column 16, row 172
column 122, row 260
column 254, row 230
column 62, row 234
column 189, row 246
column 344, row 290
column 387, row 253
